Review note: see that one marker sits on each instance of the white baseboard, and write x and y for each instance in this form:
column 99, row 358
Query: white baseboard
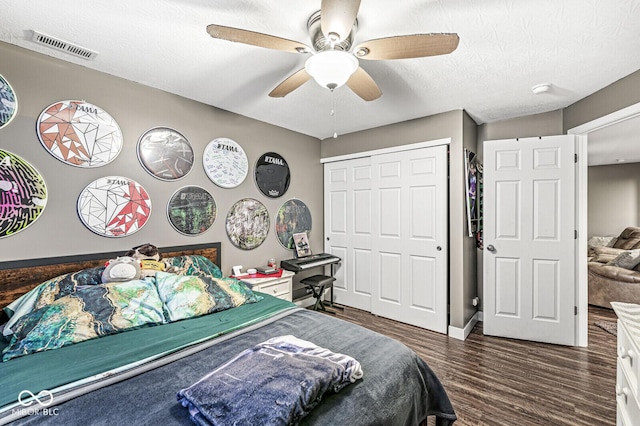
column 462, row 333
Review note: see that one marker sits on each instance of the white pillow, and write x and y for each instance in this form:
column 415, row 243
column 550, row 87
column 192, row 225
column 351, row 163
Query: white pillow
column 627, row 259
column 601, row 241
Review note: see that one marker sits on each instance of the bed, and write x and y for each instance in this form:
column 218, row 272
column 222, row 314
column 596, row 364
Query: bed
column 133, row 376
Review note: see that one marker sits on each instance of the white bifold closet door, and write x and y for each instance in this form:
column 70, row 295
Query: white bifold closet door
column 386, row 217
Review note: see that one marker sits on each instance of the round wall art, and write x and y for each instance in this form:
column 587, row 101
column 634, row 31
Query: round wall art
column 272, row 175
column 23, row 194
column 247, row 223
column 165, row 153
column 293, row 217
column 225, row 162
column 8, row 102
column 191, row 210
column 79, row 133
column 114, row 206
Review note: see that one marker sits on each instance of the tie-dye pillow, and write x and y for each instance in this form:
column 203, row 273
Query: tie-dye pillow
column 49, row 291
column 88, row 313
column 192, row 265
column 186, row 296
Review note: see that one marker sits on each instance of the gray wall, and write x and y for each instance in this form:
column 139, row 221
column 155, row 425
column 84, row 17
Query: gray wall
column 40, row 81
column 458, row 126
column 545, row 124
column 618, row 95
column 613, row 198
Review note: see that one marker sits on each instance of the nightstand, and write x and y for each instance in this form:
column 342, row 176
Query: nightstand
column 277, row 286
column 627, row 383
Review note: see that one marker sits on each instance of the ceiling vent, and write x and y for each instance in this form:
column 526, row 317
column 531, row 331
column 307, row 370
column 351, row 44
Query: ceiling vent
column 63, row 46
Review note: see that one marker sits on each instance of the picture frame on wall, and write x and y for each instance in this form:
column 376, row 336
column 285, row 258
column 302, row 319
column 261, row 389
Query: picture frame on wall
column 79, row 134
column 272, row 174
column 23, row 194
column 165, row 153
column 293, row 217
column 8, row 102
column 191, row 210
column 225, row 162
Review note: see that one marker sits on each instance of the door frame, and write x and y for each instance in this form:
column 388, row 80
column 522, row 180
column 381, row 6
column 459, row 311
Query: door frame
column 582, row 283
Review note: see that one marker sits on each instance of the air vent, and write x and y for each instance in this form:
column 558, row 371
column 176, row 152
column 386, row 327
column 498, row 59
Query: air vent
column 63, row 46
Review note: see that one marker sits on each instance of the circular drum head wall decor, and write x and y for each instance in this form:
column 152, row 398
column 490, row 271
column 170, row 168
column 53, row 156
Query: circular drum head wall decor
column 114, row 206
column 165, row 153
column 293, row 217
column 23, row 194
column 225, row 162
column 272, row 175
column 191, row 210
column 8, row 102
column 247, row 223
column 79, row 133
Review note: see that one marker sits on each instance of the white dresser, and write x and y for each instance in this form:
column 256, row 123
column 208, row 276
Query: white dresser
column 275, row 286
column 627, row 383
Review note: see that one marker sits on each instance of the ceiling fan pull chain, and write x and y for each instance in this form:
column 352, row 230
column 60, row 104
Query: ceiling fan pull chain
column 333, row 113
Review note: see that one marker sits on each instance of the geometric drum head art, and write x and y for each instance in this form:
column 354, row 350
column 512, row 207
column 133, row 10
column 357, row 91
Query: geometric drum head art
column 272, row 175
column 191, row 210
column 8, row 102
column 23, row 194
column 165, row 153
column 293, row 217
column 225, row 162
column 247, row 223
column 114, row 206
column 79, row 133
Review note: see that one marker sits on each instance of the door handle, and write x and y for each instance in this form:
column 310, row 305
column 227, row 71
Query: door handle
column 491, row 248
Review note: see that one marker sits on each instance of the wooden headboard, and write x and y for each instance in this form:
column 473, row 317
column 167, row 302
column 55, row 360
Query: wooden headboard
column 19, row 276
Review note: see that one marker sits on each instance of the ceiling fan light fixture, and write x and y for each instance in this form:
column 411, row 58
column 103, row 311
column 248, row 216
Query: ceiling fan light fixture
column 331, row 68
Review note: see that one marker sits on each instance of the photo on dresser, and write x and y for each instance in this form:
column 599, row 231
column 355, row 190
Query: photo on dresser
column 302, row 244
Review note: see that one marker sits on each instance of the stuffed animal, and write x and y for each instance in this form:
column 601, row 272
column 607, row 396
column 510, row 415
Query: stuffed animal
column 121, row 269
column 149, row 258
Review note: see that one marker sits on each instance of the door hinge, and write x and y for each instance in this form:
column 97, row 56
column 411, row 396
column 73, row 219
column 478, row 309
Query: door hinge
column 575, row 234
column 575, row 158
column 575, row 310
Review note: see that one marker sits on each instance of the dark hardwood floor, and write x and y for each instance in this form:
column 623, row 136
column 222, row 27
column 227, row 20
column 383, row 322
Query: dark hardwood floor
column 499, row 381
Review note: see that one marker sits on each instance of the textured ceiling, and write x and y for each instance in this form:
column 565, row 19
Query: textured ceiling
column 506, row 47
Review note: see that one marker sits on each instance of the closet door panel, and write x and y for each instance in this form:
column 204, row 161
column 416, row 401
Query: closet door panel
column 348, row 227
column 410, row 226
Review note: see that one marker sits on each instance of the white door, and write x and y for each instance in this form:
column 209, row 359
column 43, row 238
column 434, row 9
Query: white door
column 347, row 201
column 529, row 239
column 409, row 274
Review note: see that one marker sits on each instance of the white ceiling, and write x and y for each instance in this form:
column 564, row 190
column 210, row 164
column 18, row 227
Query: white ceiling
column 506, row 47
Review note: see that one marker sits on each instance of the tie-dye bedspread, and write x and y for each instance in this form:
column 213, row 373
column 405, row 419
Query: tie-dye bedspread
column 76, row 307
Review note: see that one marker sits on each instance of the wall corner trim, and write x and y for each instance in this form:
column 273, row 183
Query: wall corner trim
column 462, row 333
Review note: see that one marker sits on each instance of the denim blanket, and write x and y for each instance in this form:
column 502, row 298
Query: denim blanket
column 276, row 382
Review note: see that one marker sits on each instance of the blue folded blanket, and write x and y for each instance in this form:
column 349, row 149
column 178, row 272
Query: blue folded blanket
column 276, row 382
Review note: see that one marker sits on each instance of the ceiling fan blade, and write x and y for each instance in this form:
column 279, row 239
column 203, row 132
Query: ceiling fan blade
column 363, row 85
column 338, row 16
column 291, row 83
column 407, row 46
column 256, row 39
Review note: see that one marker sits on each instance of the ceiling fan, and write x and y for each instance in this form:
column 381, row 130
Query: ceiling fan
column 333, row 62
